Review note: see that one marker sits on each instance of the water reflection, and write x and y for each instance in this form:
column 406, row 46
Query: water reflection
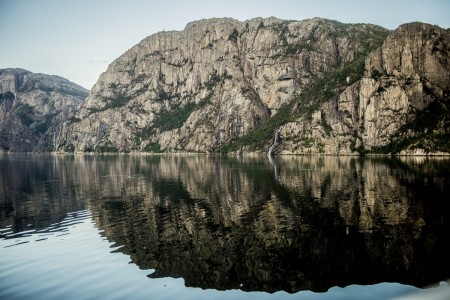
column 35, row 193
column 292, row 223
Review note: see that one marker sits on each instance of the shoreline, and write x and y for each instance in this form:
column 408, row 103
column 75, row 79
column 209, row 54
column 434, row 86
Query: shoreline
column 434, row 154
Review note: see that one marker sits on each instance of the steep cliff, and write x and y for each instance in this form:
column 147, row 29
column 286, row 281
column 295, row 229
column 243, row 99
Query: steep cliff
column 203, row 88
column 400, row 105
column 33, row 108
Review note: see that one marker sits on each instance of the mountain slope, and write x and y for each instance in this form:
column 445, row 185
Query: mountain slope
column 202, row 88
column 400, row 105
column 32, row 109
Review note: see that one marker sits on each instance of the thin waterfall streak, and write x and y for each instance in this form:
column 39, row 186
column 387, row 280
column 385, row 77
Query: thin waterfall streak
column 276, row 140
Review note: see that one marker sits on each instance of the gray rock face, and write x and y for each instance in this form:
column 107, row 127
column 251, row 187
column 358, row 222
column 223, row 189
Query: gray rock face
column 33, row 108
column 221, row 85
column 198, row 89
column 401, row 104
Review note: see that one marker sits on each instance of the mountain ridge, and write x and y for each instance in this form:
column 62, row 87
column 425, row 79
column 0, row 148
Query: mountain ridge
column 223, row 76
column 314, row 86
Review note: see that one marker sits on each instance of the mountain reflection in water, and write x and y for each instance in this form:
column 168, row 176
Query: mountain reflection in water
column 250, row 223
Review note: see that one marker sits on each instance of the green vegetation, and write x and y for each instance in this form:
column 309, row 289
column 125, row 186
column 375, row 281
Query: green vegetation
column 107, row 148
column 215, row 79
column 121, row 100
column 118, row 101
column 259, row 137
column 295, row 49
column 303, row 105
column 282, row 30
column 172, row 119
column 368, row 38
column 307, row 142
column 152, row 147
column 175, row 118
column 67, row 147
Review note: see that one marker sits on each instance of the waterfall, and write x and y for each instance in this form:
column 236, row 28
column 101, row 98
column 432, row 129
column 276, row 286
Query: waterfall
column 276, row 139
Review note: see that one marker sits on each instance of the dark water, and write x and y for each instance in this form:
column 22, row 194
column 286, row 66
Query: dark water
column 190, row 227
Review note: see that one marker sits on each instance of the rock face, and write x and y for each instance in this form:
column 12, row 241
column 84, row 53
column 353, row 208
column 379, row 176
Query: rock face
column 221, row 85
column 198, row 89
column 33, row 108
column 400, row 105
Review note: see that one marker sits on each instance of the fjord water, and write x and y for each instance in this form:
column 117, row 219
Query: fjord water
column 206, row 227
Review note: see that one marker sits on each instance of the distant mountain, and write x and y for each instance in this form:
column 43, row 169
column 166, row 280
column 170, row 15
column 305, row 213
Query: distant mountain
column 33, row 108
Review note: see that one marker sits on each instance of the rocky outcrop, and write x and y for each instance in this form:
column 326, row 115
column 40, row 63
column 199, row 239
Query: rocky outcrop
column 33, row 108
column 400, row 105
column 198, row 89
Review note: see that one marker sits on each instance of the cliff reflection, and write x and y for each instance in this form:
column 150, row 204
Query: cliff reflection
column 36, row 191
column 290, row 224
column 228, row 223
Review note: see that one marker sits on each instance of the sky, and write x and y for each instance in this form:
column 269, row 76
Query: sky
column 78, row 39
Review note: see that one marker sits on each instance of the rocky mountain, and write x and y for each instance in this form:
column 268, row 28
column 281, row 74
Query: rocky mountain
column 315, row 86
column 33, row 108
column 203, row 88
column 400, row 105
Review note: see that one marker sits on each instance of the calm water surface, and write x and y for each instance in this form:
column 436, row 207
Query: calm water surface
column 202, row 227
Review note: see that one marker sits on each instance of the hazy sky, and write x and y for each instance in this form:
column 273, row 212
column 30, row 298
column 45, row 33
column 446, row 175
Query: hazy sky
column 77, row 39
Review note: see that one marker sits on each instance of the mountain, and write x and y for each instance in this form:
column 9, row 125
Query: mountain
column 315, row 86
column 33, row 108
column 400, row 105
column 201, row 89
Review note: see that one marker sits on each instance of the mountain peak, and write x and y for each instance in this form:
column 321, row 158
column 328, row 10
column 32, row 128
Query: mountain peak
column 212, row 21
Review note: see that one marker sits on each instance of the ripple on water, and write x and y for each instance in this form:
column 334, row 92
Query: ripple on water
column 167, row 216
column 83, row 265
column 79, row 265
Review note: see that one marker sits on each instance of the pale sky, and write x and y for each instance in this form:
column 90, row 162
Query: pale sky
column 77, row 39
